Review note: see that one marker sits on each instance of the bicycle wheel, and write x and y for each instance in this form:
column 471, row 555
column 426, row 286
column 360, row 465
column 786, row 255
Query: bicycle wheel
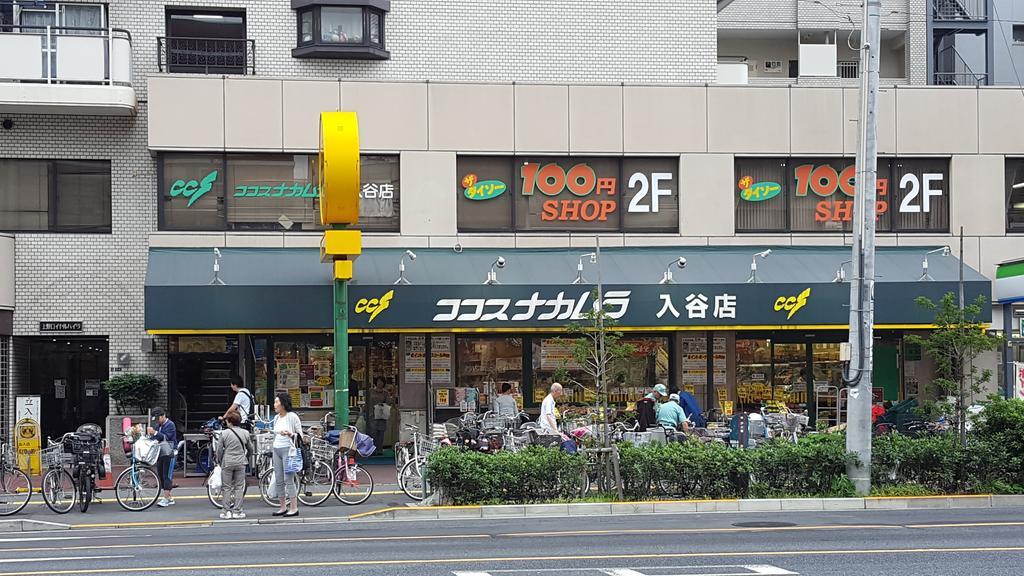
column 137, row 488
column 59, row 490
column 411, row 481
column 84, row 490
column 15, row 491
column 353, row 484
column 217, row 496
column 316, row 485
column 265, row 488
column 204, row 459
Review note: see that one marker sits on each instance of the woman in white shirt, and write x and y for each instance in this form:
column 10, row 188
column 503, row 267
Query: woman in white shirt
column 287, row 427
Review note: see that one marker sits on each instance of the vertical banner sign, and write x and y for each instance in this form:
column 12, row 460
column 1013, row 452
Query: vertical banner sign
column 1018, row 379
column 28, row 433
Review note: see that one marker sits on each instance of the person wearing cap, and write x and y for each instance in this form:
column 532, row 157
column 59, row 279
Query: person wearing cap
column 647, row 408
column 658, row 392
column 671, row 414
column 163, row 430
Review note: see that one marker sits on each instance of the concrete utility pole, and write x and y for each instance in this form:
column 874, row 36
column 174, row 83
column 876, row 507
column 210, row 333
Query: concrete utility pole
column 862, row 289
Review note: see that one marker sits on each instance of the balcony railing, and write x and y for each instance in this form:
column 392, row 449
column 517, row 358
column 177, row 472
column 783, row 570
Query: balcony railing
column 960, row 9
column 206, row 55
column 849, row 69
column 65, row 55
column 960, row 79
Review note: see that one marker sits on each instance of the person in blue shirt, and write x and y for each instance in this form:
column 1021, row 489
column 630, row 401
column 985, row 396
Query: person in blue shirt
column 163, row 430
column 671, row 414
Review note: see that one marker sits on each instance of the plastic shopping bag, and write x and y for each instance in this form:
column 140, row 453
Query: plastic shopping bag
column 146, row 450
column 272, row 488
column 216, row 482
column 293, row 464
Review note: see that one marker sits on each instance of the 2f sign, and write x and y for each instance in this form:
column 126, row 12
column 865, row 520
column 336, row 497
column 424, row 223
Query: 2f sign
column 919, row 199
column 647, row 187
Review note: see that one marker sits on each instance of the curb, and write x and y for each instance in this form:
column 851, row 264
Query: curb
column 950, row 502
column 7, row 526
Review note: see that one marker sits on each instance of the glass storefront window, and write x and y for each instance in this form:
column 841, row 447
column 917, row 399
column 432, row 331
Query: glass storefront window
column 373, row 378
column 192, row 192
column 633, row 377
column 753, row 372
column 305, row 371
column 484, row 364
column 553, row 361
column 789, row 375
column 266, row 191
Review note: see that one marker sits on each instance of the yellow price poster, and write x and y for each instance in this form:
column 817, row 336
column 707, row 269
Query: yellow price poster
column 442, row 397
column 727, row 408
column 27, row 429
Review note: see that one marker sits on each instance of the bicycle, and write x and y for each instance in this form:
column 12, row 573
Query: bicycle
column 15, row 485
column 353, row 484
column 313, row 485
column 411, row 479
column 138, row 487
column 61, row 488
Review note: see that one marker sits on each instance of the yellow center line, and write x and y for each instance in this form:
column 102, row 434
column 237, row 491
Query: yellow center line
column 499, row 560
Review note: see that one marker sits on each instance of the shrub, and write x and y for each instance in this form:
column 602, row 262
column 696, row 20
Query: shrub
column 135, row 392
column 814, row 467
column 532, row 475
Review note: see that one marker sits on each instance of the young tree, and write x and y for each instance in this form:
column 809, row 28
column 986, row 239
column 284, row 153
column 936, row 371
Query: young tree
column 957, row 340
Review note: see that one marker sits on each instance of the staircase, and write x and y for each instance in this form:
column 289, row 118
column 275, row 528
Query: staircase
column 952, row 70
column 960, row 9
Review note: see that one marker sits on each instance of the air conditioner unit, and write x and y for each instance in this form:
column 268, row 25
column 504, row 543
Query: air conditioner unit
column 772, row 66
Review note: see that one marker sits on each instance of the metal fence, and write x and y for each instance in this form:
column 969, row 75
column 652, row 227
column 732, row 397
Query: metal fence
column 849, row 69
column 206, row 55
column 960, row 9
column 960, row 79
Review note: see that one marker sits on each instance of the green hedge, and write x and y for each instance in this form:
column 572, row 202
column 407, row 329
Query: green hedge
column 993, row 461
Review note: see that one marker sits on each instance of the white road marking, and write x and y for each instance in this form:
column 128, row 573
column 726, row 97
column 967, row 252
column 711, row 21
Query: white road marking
column 748, row 570
column 52, row 538
column 63, row 558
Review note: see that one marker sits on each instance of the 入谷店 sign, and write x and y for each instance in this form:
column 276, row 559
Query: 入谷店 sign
column 813, row 195
column 569, row 193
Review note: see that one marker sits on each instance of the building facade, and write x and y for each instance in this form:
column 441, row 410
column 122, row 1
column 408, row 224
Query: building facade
column 144, row 135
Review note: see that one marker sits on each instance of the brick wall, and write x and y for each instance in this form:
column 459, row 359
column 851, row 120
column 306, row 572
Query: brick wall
column 95, row 278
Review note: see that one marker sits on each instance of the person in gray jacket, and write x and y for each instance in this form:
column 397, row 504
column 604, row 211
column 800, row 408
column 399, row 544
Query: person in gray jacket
column 233, row 455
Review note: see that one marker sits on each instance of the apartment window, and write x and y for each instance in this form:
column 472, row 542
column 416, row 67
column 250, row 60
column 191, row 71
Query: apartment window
column 206, row 42
column 1018, row 33
column 271, row 192
column 351, row 29
column 55, row 195
column 1015, row 194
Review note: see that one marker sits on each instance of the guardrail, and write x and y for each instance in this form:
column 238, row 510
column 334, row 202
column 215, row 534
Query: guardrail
column 206, row 55
column 66, row 55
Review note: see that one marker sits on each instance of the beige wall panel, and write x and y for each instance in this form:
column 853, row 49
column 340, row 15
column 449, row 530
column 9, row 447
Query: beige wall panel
column 662, row 119
column 471, row 117
column 394, row 241
column 818, row 240
column 817, row 121
column 531, row 241
column 745, row 119
column 1001, row 121
column 265, row 240
column 428, row 193
column 886, row 121
column 303, row 102
column 542, row 118
column 487, row 241
column 937, row 120
column 595, row 119
column 752, row 240
column 587, row 240
column 706, row 203
column 186, row 113
column 978, row 188
column 187, row 240
column 663, row 240
column 998, row 249
column 392, row 116
column 253, row 114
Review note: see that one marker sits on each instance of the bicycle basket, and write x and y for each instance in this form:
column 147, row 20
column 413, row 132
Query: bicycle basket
column 52, row 456
column 265, row 443
column 321, row 449
column 347, row 440
column 427, row 446
column 495, row 423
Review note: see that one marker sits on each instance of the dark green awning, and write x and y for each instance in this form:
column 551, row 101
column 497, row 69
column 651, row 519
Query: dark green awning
column 280, row 290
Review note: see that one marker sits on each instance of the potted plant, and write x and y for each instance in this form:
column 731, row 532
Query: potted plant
column 133, row 393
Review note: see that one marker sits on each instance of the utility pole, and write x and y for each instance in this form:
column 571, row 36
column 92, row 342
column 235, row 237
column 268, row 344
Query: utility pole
column 862, row 289
column 961, row 397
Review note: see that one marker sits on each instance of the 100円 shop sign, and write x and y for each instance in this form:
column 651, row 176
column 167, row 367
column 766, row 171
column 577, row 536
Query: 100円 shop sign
column 676, row 305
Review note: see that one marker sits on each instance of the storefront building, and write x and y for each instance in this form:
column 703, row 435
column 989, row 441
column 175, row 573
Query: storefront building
column 441, row 342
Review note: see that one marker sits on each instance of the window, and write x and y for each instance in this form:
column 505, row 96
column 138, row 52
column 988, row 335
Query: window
column 1018, row 33
column 274, row 192
column 567, row 194
column 55, row 195
column 206, row 42
column 341, row 29
column 817, row 195
column 1015, row 194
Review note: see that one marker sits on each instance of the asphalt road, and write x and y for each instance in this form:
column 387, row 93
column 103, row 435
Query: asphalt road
column 895, row 543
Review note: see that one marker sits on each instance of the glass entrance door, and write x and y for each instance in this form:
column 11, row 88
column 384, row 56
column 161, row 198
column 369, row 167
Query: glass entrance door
column 68, row 374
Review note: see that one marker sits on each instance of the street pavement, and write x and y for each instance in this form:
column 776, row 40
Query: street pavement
column 895, row 543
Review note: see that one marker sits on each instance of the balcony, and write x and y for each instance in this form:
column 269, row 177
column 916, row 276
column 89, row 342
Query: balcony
column 206, row 55
column 65, row 70
column 960, row 10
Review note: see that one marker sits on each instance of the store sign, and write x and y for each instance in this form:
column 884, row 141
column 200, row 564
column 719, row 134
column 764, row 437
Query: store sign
column 526, row 306
column 60, row 326
column 819, row 194
column 193, row 190
column 570, row 193
column 27, row 429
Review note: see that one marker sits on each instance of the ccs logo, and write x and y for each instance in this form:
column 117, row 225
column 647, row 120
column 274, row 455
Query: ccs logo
column 374, row 306
column 192, row 189
column 792, row 304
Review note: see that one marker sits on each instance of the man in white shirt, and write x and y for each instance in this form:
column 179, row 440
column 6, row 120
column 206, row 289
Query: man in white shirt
column 243, row 402
column 548, row 422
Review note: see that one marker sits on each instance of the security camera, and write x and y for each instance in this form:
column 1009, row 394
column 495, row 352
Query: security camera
column 593, row 257
column 500, row 262
column 216, row 252
column 765, row 253
column 681, row 263
column 8, row 124
column 410, row 254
